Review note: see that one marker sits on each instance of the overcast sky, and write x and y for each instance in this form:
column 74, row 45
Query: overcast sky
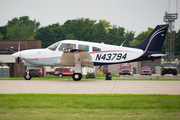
column 133, row 15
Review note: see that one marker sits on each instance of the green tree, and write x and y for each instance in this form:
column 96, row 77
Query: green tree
column 70, row 37
column 135, row 42
column 129, row 37
column 177, row 43
column 19, row 32
column 105, row 24
column 81, row 29
column 1, row 36
column 143, row 35
column 23, row 20
column 3, row 31
column 45, row 35
column 98, row 33
column 116, row 35
column 21, row 28
column 57, row 31
column 50, row 34
column 30, row 38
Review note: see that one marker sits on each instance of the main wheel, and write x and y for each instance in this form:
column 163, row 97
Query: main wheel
column 26, row 76
column 77, row 76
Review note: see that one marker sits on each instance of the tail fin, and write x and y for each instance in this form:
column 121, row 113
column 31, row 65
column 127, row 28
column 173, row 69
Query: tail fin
column 155, row 40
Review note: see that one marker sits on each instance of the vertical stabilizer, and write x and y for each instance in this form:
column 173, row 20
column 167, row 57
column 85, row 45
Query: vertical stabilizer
column 155, row 40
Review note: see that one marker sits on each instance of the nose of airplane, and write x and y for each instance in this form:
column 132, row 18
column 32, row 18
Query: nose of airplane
column 17, row 54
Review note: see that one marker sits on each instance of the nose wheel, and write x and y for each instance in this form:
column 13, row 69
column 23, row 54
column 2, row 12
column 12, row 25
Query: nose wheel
column 77, row 76
column 27, row 75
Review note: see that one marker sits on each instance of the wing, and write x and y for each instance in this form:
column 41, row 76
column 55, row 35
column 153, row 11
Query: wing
column 71, row 57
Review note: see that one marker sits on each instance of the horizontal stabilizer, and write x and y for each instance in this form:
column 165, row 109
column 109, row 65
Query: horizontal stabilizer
column 157, row 55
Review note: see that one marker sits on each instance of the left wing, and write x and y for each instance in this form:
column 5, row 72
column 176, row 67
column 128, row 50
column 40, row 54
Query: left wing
column 71, row 57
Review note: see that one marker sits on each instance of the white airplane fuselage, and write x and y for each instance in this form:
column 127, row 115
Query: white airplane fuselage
column 108, row 54
column 78, row 54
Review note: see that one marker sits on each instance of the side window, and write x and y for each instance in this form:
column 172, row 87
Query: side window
column 83, row 47
column 66, row 69
column 65, row 46
column 96, row 49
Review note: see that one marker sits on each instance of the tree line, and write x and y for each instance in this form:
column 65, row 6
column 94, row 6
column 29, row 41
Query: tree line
column 84, row 29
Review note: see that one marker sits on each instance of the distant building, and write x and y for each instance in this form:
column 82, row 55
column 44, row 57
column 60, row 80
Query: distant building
column 8, row 47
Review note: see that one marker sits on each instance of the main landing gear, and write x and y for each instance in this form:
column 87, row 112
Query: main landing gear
column 27, row 75
column 78, row 70
column 77, row 76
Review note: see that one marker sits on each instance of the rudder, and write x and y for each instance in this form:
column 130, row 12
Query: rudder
column 155, row 39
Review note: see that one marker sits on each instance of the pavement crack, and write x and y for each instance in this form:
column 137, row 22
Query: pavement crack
column 113, row 87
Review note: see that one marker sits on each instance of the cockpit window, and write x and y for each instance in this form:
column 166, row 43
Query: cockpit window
column 54, row 46
column 65, row 46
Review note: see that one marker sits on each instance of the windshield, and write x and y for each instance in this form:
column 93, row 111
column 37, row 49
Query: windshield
column 170, row 64
column 125, row 68
column 145, row 68
column 54, row 46
column 65, row 46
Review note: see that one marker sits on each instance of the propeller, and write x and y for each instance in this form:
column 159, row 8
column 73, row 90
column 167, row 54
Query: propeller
column 18, row 63
column 18, row 59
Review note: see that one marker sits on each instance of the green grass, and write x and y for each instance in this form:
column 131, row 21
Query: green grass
column 95, row 107
column 104, row 75
column 98, row 77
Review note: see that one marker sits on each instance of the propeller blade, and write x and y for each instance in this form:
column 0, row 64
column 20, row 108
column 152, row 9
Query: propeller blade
column 18, row 59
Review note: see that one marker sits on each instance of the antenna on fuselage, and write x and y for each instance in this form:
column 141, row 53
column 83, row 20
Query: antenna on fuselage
column 122, row 43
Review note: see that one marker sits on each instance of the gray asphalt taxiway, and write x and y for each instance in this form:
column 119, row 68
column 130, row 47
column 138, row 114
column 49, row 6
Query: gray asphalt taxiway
column 89, row 87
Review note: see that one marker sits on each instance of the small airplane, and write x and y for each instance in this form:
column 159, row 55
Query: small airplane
column 78, row 54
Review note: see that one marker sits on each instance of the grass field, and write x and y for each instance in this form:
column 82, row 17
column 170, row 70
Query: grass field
column 98, row 77
column 90, row 107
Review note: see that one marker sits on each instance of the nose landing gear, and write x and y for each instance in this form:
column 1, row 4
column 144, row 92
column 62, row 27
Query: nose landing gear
column 27, row 75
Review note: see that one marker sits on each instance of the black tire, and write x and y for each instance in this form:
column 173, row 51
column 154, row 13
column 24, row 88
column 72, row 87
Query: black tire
column 77, row 76
column 175, row 73
column 27, row 77
column 60, row 75
column 162, row 73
